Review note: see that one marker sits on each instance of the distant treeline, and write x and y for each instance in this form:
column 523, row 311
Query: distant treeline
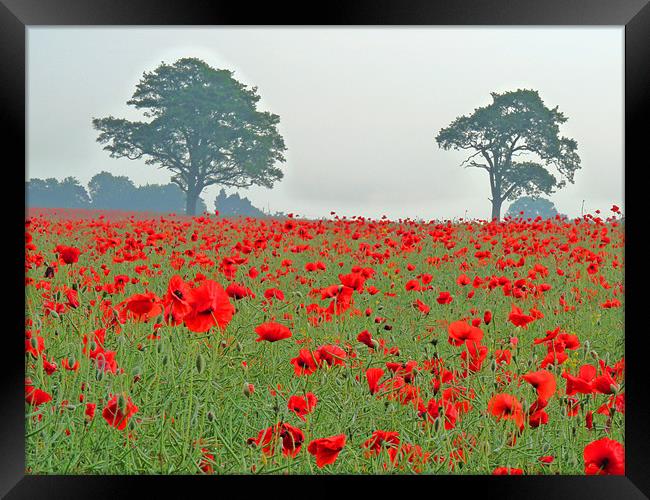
column 106, row 191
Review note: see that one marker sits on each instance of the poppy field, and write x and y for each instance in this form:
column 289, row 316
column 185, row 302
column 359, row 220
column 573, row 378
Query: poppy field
column 207, row 345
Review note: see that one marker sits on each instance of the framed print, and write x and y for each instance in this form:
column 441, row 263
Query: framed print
column 380, row 247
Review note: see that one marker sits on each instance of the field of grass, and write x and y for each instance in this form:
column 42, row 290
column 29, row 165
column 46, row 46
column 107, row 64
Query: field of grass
column 176, row 345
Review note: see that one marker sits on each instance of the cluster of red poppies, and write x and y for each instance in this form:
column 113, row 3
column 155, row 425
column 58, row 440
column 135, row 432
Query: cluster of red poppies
column 441, row 322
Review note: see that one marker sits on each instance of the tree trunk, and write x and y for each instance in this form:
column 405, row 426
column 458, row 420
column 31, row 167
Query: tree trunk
column 191, row 197
column 496, row 208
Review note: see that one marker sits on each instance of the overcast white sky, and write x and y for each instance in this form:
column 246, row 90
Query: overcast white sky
column 359, row 107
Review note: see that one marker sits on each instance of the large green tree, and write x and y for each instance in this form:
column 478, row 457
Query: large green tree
column 205, row 128
column 515, row 139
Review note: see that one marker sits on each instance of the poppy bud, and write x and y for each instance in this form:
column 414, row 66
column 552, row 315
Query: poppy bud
column 375, row 344
column 34, row 343
column 165, row 359
column 210, row 416
column 99, row 375
column 93, row 346
column 436, row 424
column 200, row 363
column 248, row 389
column 131, row 425
column 493, row 365
column 159, row 348
column 54, row 314
column 593, row 354
column 75, row 287
column 223, row 344
column 238, row 346
column 121, row 403
column 586, row 345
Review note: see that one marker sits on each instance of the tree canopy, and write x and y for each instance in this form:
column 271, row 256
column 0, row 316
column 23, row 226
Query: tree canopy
column 50, row 193
column 205, row 128
column 532, row 207
column 516, row 139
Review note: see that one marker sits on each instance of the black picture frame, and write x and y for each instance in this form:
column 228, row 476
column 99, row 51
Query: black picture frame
column 17, row 15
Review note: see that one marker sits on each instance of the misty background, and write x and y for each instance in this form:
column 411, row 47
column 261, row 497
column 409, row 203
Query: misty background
column 359, row 107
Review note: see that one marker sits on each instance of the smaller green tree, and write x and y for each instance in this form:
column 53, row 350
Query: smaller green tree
column 532, row 207
column 515, row 140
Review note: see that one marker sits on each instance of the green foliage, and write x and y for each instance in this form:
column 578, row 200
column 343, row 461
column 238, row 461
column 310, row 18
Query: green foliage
column 205, row 128
column 532, row 207
column 234, row 205
column 516, row 125
column 51, row 193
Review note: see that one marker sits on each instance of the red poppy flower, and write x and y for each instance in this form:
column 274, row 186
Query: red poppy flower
column 582, row 383
column 543, row 381
column 207, row 460
column 272, row 332
column 332, row 355
column 291, row 438
column 373, row 375
column 69, row 255
column 507, row 471
column 238, row 292
column 461, row 331
column 382, row 439
column 604, row 457
column 90, row 410
column 35, row 397
column 444, row 298
column 326, row 450
column 487, row 317
column 421, row 306
column 210, row 307
column 177, row 300
column 302, row 406
column 518, row 318
column 507, row 407
column 141, row 307
column 365, row 338
column 119, row 411
column 70, row 364
column 306, row 362
column 49, row 367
